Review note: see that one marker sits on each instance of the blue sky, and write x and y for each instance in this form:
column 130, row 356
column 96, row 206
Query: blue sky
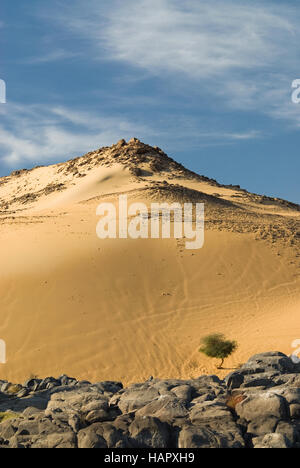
column 209, row 82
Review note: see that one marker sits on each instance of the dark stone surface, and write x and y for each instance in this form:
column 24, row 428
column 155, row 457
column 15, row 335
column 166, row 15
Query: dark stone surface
column 256, row 406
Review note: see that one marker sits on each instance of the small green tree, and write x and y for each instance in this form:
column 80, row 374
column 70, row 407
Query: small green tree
column 216, row 346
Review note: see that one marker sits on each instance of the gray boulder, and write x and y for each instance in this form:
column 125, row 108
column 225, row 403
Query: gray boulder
column 90, row 406
column 206, row 436
column 272, row 361
column 262, row 404
column 149, row 432
column 277, row 441
column 91, row 437
column 137, row 397
column 257, row 406
column 165, row 407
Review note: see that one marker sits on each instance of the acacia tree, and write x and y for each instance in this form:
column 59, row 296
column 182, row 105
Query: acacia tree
column 217, row 346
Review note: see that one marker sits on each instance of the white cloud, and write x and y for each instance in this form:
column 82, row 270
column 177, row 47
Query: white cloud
column 51, row 56
column 239, row 53
column 37, row 133
column 222, row 54
column 200, row 39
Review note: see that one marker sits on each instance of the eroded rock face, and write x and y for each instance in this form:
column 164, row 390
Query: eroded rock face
column 257, row 406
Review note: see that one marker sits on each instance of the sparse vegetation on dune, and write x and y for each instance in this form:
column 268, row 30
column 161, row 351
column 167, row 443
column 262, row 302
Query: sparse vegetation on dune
column 216, row 346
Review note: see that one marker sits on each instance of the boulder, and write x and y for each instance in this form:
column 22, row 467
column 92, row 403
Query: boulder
column 261, row 425
column 32, row 384
column 295, row 411
column 277, row 441
column 262, row 405
column 135, row 398
column 272, row 361
column 91, row 437
column 149, row 432
column 209, row 410
column 183, row 392
column 290, row 431
column 204, row 436
column 165, row 407
column 234, row 380
column 258, row 406
column 40, row 432
column 89, row 406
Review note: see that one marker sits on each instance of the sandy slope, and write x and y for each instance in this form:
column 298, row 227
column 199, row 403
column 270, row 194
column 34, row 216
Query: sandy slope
column 128, row 309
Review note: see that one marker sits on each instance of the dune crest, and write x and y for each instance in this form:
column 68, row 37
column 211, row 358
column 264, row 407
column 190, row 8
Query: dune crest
column 126, row 309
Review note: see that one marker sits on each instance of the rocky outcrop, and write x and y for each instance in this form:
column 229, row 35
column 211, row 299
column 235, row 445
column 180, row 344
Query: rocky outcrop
column 257, row 406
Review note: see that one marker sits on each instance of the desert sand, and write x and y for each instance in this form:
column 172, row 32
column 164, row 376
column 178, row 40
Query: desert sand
column 124, row 309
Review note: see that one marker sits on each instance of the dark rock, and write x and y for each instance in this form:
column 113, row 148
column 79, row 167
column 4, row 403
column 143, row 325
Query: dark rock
column 290, row 431
column 149, row 432
column 166, row 408
column 89, row 405
column 203, row 436
column 8, row 429
column 22, row 393
column 5, row 386
column 209, row 410
column 32, row 384
column 262, row 425
column 262, row 405
column 31, row 412
column 91, row 437
column 67, row 381
column 183, row 392
column 295, row 411
column 273, row 361
column 234, row 380
column 135, row 398
column 108, row 387
column 40, row 432
column 264, row 379
column 49, row 383
column 256, row 406
column 278, row 441
column 121, row 143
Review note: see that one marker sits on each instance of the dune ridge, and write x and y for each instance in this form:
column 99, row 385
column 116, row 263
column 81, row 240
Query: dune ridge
column 125, row 309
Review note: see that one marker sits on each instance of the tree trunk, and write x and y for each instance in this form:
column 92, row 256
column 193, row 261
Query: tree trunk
column 221, row 365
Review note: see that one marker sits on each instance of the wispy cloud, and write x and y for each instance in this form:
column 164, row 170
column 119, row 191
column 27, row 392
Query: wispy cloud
column 40, row 133
column 51, row 56
column 200, row 39
column 240, row 53
column 229, row 55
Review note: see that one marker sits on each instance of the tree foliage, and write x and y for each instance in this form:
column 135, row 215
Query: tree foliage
column 217, row 346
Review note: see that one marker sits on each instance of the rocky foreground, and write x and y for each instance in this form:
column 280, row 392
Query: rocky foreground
column 257, row 406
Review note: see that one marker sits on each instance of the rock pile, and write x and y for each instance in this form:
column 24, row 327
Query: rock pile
column 256, row 406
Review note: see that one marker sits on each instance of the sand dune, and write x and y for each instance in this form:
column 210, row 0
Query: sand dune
column 127, row 309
